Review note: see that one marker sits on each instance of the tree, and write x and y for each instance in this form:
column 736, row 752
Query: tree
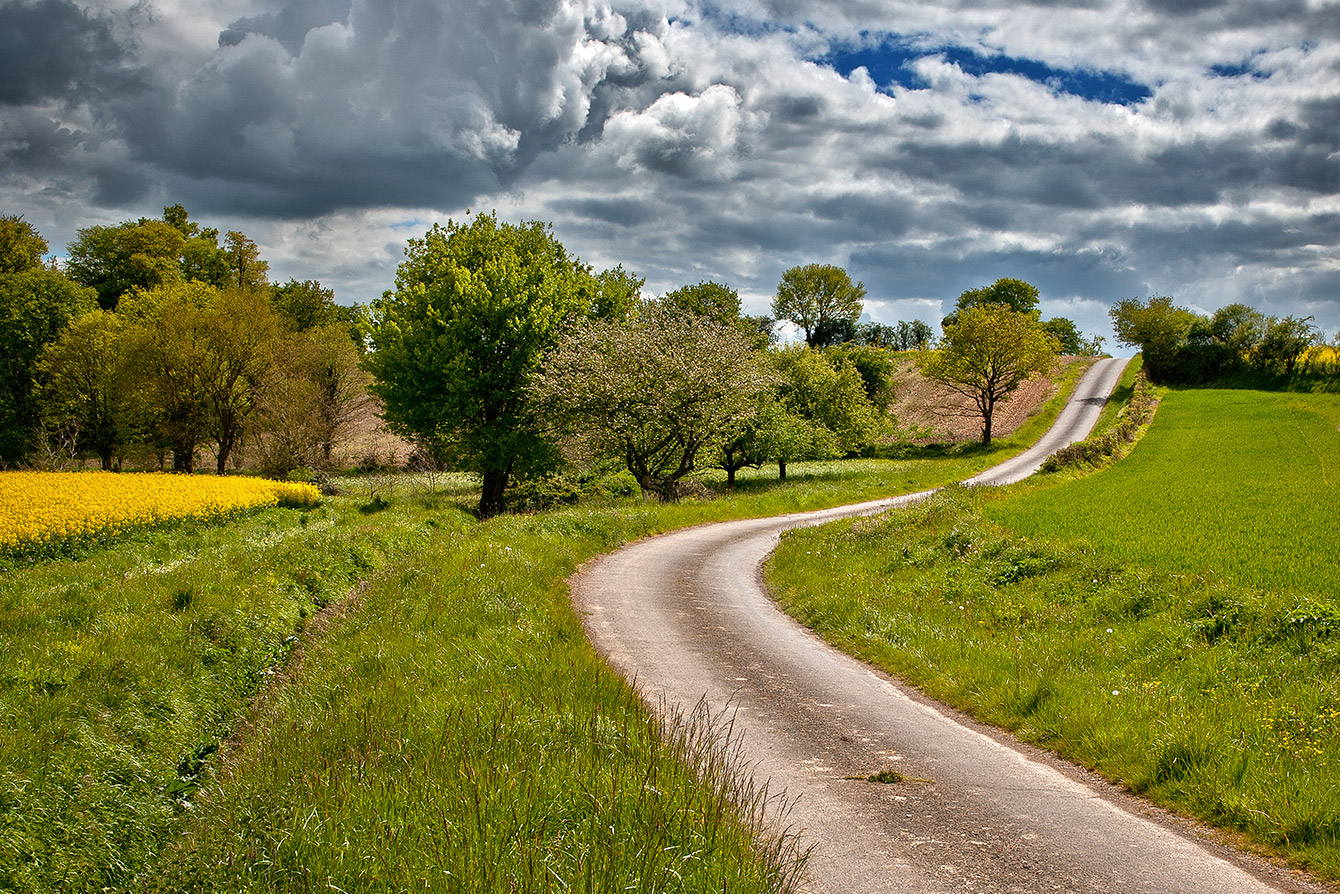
column 246, row 270
column 242, row 333
column 1017, row 295
column 618, row 292
column 986, row 354
column 21, row 246
column 654, row 391
column 82, row 386
column 1070, row 339
column 313, row 392
column 904, row 336
column 36, row 303
column 112, row 260
column 815, row 294
column 770, row 432
column 875, row 367
column 827, row 391
column 1283, row 342
column 476, row 307
column 167, row 355
column 1157, row 327
column 715, row 301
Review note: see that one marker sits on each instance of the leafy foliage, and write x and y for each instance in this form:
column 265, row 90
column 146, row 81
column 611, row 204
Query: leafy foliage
column 816, row 297
column 476, row 307
column 36, row 303
column 653, row 391
column 1237, row 342
column 986, row 353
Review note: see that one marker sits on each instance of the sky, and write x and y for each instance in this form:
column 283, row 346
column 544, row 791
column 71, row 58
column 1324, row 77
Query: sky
column 1099, row 149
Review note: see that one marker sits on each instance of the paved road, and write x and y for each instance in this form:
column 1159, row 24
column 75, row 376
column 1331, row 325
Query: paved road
column 685, row 616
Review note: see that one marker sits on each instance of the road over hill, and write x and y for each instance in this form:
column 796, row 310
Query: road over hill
column 686, row 617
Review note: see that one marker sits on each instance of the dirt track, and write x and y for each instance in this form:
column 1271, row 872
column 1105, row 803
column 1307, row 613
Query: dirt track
column 685, row 616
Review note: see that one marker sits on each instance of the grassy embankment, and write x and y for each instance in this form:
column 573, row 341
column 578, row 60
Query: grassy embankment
column 451, row 728
column 1173, row 621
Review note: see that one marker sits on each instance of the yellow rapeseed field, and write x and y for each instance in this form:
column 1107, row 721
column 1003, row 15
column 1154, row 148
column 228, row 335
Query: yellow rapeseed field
column 41, row 509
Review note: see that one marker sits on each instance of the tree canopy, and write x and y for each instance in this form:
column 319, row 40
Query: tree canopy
column 477, row 305
column 817, row 297
column 653, row 391
column 986, row 353
column 715, row 301
column 1017, row 295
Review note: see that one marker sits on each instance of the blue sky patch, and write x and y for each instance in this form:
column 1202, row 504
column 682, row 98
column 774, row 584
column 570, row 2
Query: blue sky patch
column 890, row 63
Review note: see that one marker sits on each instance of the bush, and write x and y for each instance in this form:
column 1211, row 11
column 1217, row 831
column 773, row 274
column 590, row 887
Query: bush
column 1113, row 443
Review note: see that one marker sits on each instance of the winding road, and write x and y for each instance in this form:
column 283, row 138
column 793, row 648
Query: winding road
column 685, row 616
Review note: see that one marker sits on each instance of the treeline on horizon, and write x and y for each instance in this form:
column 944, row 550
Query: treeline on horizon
column 158, row 338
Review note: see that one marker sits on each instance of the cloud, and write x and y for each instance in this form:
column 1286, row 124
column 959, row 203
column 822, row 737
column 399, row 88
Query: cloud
column 1098, row 148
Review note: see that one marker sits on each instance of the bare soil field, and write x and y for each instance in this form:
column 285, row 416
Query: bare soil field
column 933, row 413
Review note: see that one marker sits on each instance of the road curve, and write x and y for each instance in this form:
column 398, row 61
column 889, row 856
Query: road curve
column 686, row 617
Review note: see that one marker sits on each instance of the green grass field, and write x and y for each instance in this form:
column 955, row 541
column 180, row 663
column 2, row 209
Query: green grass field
column 1243, row 484
column 1192, row 653
column 450, row 728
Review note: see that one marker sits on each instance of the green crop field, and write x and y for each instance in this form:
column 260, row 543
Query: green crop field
column 1172, row 621
column 1243, row 484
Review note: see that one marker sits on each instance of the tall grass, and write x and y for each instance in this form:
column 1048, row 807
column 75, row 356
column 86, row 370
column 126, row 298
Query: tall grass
column 121, row 673
column 1172, row 621
column 458, row 695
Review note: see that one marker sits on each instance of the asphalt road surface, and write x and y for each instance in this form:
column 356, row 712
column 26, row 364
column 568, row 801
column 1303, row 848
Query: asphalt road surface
column 685, row 616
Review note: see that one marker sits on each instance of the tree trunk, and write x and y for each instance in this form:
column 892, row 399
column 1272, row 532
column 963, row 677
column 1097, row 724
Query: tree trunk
column 730, row 478
column 491, row 497
column 183, row 457
column 986, row 425
column 225, row 449
column 781, row 470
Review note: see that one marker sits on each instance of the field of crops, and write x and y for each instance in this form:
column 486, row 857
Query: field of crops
column 41, row 510
column 1240, row 484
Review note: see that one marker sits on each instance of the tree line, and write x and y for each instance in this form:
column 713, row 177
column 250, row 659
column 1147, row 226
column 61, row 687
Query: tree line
column 500, row 352
column 157, row 338
column 497, row 351
column 1236, row 343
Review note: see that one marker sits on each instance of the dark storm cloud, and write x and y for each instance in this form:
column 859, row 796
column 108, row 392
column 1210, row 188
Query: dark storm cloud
column 52, row 49
column 290, row 25
column 688, row 142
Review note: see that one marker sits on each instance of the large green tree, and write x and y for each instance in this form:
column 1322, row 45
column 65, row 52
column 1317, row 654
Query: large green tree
column 654, row 391
column 167, row 355
column 36, row 304
column 817, row 297
column 83, row 389
column 986, row 353
column 1157, row 327
column 477, row 304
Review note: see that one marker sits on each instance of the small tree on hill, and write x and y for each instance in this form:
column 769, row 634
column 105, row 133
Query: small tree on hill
column 986, row 354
